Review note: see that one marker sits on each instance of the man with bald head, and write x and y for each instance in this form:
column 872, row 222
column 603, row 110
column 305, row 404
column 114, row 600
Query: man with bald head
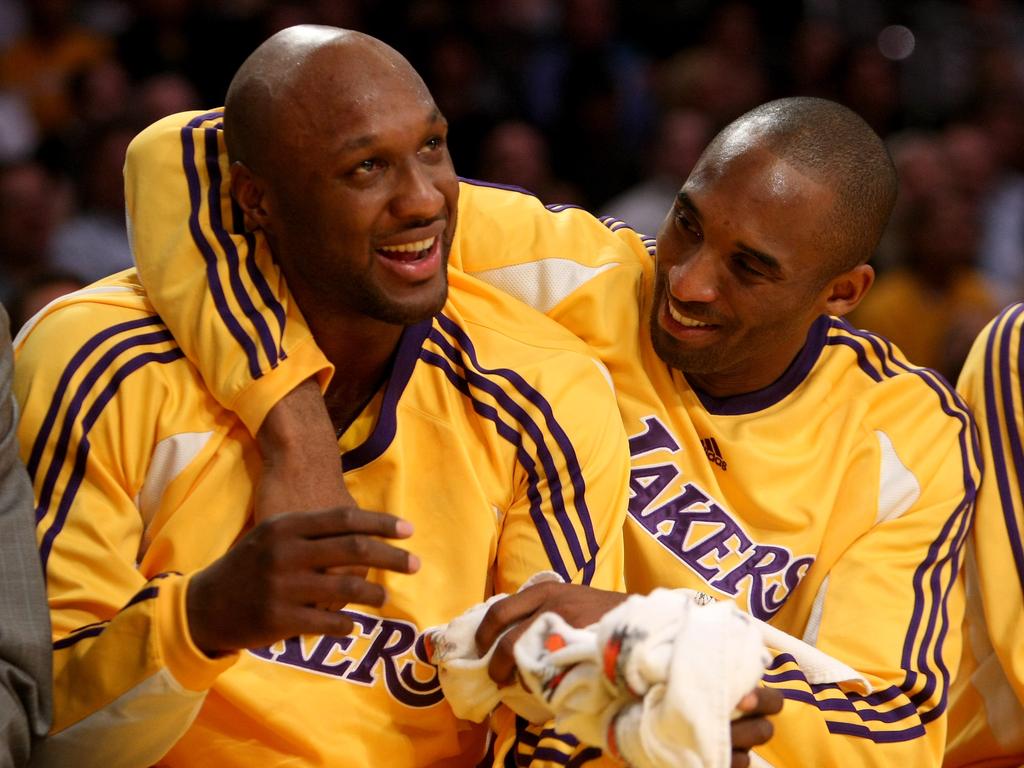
column 781, row 459
column 202, row 616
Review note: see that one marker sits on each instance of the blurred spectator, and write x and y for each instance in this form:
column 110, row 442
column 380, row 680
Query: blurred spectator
column 725, row 76
column 815, row 58
column 100, row 93
column 12, row 21
column 163, row 95
column 94, row 243
column 682, row 136
column 28, row 217
column 870, row 87
column 466, row 94
column 516, row 153
column 18, row 134
column 201, row 40
column 935, row 305
column 923, row 173
column 37, row 293
column 43, row 61
column 971, row 160
column 1002, row 246
column 557, row 96
column 590, row 90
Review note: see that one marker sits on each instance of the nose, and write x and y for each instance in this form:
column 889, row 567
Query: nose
column 694, row 278
column 418, row 193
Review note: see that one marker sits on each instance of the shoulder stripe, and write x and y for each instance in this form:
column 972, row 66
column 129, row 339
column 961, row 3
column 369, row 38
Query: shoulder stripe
column 75, row 405
column 562, row 441
column 43, row 436
column 271, row 350
column 613, row 224
column 72, row 418
column 862, row 358
column 513, row 436
column 1002, row 421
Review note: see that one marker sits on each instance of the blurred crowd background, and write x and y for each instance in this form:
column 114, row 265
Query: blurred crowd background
column 600, row 103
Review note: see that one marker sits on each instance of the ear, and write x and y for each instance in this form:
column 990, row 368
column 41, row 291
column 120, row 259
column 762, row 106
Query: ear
column 845, row 291
column 250, row 192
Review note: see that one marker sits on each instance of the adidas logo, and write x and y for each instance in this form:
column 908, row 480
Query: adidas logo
column 711, row 448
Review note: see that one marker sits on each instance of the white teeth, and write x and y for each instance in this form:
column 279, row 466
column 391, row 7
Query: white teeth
column 419, row 245
column 684, row 320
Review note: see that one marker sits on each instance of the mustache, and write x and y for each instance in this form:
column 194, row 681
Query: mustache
column 695, row 310
column 415, row 224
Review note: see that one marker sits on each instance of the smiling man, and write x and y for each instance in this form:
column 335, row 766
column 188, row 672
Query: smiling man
column 190, row 618
column 780, row 458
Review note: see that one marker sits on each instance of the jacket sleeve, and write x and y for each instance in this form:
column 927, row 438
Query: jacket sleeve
column 127, row 679
column 213, row 283
column 892, row 604
column 25, row 686
column 988, row 709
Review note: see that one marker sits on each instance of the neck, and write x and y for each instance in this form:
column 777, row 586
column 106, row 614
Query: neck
column 750, row 375
column 360, row 348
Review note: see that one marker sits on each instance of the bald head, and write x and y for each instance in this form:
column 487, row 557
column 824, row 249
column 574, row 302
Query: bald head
column 834, row 146
column 299, row 77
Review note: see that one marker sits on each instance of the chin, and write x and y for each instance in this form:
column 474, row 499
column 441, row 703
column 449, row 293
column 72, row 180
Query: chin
column 414, row 309
column 703, row 360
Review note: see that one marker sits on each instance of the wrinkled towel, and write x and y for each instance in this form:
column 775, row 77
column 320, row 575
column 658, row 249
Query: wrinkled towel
column 655, row 681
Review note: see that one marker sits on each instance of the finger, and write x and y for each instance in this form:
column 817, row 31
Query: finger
column 740, row 759
column 361, row 571
column 344, row 520
column 502, row 667
column 313, row 621
column 358, row 550
column 507, row 612
column 750, row 732
column 762, row 701
column 336, row 590
column 748, row 703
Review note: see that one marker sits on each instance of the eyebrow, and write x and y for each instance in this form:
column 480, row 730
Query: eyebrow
column 360, row 142
column 768, row 261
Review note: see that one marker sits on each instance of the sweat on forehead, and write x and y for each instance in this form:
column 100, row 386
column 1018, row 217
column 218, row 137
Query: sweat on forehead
column 300, row 69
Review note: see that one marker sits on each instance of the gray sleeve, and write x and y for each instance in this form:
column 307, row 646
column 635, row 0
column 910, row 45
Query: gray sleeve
column 25, row 649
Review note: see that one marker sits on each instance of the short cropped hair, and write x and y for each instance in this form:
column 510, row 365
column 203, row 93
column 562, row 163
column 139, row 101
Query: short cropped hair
column 834, row 145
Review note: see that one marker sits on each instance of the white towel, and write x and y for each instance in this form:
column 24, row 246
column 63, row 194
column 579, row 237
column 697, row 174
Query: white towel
column 655, row 681
column 462, row 672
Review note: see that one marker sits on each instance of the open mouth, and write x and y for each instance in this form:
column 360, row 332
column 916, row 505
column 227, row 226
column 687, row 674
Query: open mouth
column 414, row 262
column 684, row 320
column 408, row 252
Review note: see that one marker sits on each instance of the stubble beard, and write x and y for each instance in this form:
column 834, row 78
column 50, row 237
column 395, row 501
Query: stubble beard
column 706, row 360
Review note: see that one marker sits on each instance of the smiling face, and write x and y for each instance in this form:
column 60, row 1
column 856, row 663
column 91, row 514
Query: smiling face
column 741, row 273
column 357, row 195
